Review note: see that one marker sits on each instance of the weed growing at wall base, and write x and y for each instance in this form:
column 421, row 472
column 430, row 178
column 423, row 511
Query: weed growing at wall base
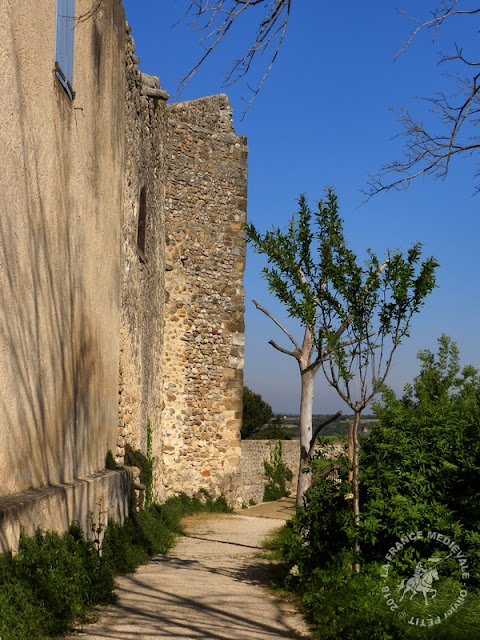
column 54, row 580
column 278, row 475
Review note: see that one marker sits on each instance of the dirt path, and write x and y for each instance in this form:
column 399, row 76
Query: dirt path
column 210, row 586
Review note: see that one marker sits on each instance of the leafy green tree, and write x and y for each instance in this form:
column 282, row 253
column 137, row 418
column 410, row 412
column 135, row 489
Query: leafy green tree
column 421, row 462
column 354, row 314
column 420, row 471
column 273, row 431
column 256, row 413
column 374, row 302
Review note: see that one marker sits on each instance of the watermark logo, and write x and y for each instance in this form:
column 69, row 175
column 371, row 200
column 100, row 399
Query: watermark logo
column 422, row 584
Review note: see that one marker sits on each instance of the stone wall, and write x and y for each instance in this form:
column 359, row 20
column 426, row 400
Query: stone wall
column 204, row 328
column 252, row 478
column 143, row 263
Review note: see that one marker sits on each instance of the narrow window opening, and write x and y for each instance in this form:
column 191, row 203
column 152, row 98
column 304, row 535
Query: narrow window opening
column 142, row 223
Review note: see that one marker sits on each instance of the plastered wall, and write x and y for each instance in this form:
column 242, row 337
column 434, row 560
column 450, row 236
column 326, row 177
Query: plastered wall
column 60, row 212
column 59, row 238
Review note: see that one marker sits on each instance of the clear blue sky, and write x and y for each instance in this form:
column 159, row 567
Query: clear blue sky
column 324, row 118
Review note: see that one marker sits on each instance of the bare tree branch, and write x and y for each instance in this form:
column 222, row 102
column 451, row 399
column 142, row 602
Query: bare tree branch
column 283, row 350
column 439, row 15
column 426, row 151
column 319, row 428
column 215, row 18
column 285, row 331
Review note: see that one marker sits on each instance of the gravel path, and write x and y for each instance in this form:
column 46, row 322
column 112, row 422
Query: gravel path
column 210, row 586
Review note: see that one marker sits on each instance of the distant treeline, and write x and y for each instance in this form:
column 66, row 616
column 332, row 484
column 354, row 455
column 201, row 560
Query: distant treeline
column 339, row 426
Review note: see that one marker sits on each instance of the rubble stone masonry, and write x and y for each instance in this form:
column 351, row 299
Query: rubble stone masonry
column 143, row 263
column 206, row 189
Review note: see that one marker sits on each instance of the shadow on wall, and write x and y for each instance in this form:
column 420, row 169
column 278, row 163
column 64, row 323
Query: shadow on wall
column 49, row 353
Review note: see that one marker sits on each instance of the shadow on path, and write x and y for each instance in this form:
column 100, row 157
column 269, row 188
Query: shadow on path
column 209, row 587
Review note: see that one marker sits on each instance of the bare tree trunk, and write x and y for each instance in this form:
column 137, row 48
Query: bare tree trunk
column 306, row 406
column 350, row 450
column 355, row 484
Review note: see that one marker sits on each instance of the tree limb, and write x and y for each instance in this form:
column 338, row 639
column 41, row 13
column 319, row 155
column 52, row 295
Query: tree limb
column 439, row 15
column 95, row 6
column 319, row 428
column 278, row 348
column 215, row 18
column 427, row 152
column 285, row 331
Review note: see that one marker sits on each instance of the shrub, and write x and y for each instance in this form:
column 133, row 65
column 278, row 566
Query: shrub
column 419, row 472
column 50, row 583
column 121, row 549
column 54, row 580
column 135, row 458
column 278, row 475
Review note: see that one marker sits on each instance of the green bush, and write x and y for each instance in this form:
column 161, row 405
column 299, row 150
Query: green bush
column 419, row 467
column 20, row 615
column 135, row 458
column 54, row 580
column 418, row 472
column 122, row 550
column 50, row 583
column 278, row 475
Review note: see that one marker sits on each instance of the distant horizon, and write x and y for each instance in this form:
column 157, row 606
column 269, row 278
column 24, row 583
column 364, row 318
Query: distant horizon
column 289, row 414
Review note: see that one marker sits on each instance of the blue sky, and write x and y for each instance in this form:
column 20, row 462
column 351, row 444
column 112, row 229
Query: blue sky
column 324, row 117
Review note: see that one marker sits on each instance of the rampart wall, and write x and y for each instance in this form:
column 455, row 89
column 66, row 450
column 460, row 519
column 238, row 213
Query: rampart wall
column 121, row 297
column 143, row 263
column 205, row 213
column 252, row 478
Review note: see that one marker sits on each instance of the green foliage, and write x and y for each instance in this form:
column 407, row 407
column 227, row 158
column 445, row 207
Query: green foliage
column 278, row 475
column 323, row 284
column 421, row 461
column 122, row 548
column 135, row 458
column 347, row 605
column 420, row 472
column 148, row 491
column 20, row 615
column 145, row 462
column 272, row 431
column 53, row 581
column 110, row 462
column 256, row 413
column 355, row 311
